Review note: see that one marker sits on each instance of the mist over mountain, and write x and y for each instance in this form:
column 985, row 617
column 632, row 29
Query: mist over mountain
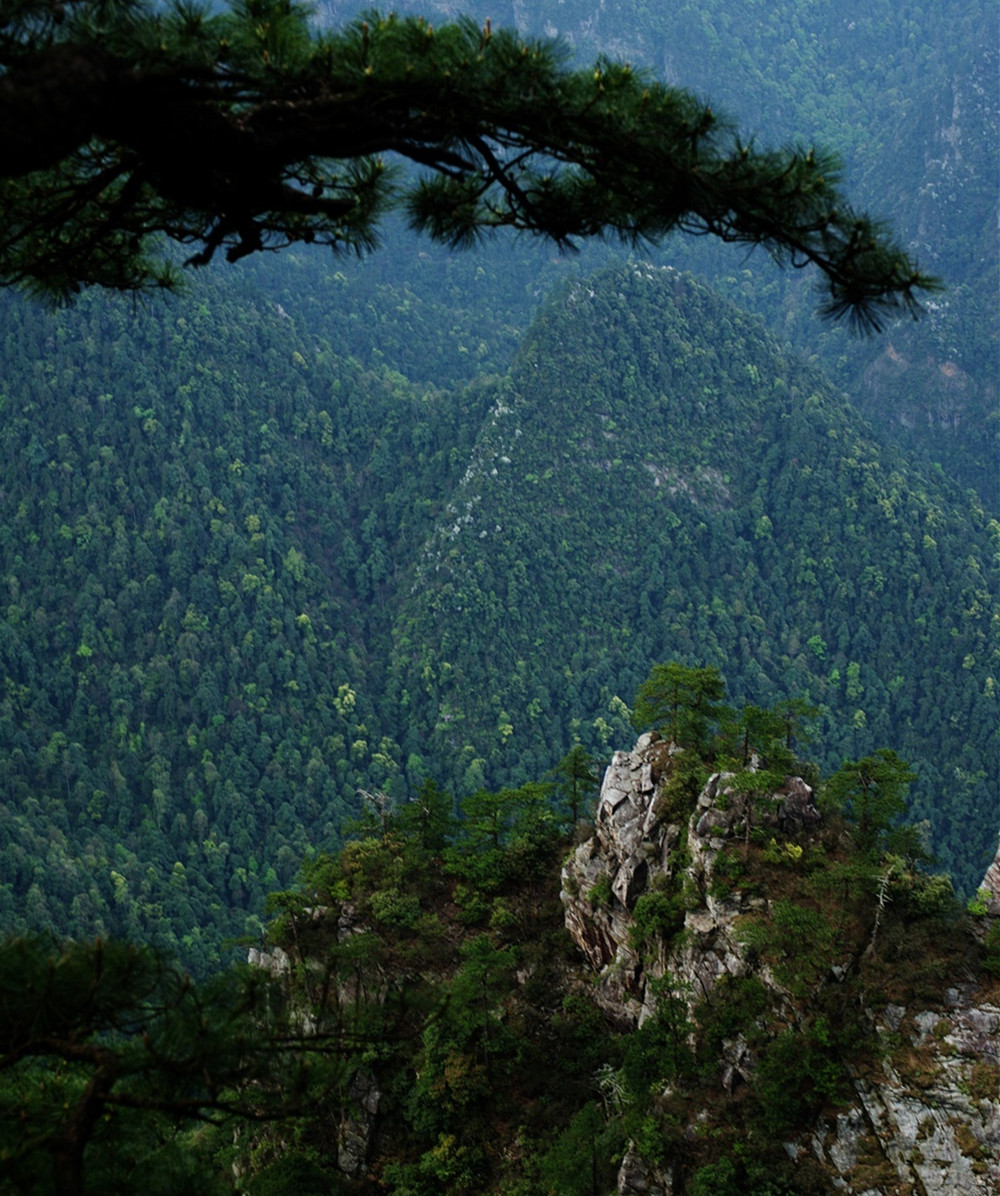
column 906, row 99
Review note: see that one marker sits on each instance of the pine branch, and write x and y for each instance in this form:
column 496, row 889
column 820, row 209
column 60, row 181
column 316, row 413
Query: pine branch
column 249, row 130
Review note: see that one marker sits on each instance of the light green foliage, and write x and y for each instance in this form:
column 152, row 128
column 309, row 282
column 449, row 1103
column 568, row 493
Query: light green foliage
column 797, row 941
column 929, row 896
column 788, row 854
column 601, row 893
column 656, row 918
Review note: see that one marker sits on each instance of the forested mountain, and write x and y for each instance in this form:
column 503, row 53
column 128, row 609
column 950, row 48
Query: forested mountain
column 194, row 505
column 906, row 97
column 311, row 576
column 657, row 481
column 246, row 577
column 326, row 524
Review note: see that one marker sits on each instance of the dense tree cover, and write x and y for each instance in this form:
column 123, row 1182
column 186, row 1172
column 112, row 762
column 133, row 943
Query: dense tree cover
column 244, row 580
column 248, row 129
column 198, row 552
column 905, row 96
column 419, row 1025
column 700, row 497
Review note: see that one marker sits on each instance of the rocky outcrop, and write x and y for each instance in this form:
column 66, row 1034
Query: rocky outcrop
column 991, row 887
column 925, row 1121
column 633, row 839
column 637, row 843
column 356, row 1130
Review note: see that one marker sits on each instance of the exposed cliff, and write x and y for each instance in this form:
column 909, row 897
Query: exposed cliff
column 863, row 996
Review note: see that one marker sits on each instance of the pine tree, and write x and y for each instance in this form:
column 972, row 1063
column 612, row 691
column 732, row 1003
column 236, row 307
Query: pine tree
column 107, row 1052
column 871, row 793
column 125, row 121
column 577, row 780
column 681, row 702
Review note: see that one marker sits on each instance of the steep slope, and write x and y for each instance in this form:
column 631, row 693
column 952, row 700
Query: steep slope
column 247, row 577
column 657, row 480
column 905, row 97
column 832, row 1005
column 199, row 510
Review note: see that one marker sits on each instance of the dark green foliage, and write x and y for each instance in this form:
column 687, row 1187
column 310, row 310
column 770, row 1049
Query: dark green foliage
column 805, row 73
column 348, row 470
column 577, row 781
column 681, row 703
column 991, row 949
column 685, row 530
column 871, row 793
column 462, row 1010
column 798, row 941
column 248, row 129
column 197, row 599
column 581, row 1162
column 734, row 1008
column 504, row 836
column 657, row 1053
column 739, row 1175
column 495, row 1070
column 109, row 1055
column 293, row 1175
column 229, row 609
column 428, row 817
column 798, row 1073
column 760, row 738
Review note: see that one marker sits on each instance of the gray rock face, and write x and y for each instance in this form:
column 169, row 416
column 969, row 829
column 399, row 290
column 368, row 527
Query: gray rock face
column 607, row 874
column 928, row 1125
column 357, row 1126
column 991, row 885
column 637, row 1178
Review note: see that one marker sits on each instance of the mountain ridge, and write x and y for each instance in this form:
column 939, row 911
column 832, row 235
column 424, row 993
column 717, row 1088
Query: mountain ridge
column 223, row 621
column 637, row 455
